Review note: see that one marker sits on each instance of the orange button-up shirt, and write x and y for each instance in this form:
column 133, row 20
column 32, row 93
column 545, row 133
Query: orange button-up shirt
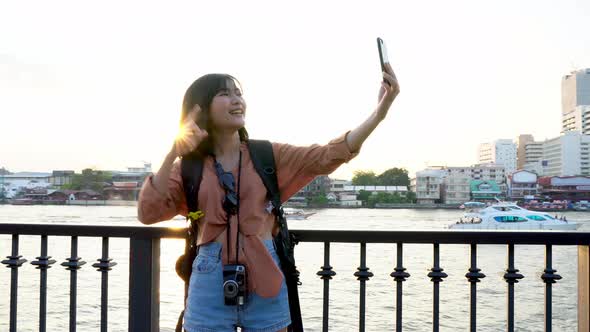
column 295, row 167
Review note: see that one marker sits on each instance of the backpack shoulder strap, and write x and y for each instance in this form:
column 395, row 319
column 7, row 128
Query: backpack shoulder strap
column 264, row 163
column 192, row 171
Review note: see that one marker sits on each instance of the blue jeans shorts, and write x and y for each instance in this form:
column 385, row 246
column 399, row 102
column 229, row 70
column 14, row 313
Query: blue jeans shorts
column 205, row 307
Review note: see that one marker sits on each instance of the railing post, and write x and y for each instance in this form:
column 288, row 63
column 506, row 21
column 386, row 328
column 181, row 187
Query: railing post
column 549, row 277
column 583, row 288
column 511, row 276
column 399, row 275
column 362, row 275
column 43, row 263
column 473, row 276
column 144, row 284
column 326, row 274
column 13, row 262
column 104, row 265
column 73, row 264
column 436, row 276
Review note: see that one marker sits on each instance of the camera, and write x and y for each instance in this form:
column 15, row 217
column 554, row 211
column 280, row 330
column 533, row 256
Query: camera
column 234, row 284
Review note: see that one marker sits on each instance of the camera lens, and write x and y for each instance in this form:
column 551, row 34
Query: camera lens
column 230, row 288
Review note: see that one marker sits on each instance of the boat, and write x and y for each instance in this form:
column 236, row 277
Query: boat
column 297, row 214
column 582, row 206
column 508, row 215
column 22, row 201
column 546, row 206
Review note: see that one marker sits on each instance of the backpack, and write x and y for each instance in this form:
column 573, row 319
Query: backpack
column 263, row 159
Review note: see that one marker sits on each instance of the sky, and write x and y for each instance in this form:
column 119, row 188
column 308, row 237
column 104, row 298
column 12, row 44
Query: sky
column 100, row 84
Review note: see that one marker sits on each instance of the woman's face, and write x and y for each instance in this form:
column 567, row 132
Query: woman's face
column 228, row 109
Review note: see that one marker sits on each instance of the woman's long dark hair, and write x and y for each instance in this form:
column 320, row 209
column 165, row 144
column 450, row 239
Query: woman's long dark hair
column 202, row 92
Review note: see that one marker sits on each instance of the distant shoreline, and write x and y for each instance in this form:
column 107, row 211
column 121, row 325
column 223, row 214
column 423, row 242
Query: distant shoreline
column 71, row 203
column 379, row 206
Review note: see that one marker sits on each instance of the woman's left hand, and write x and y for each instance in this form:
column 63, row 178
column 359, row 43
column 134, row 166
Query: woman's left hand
column 388, row 92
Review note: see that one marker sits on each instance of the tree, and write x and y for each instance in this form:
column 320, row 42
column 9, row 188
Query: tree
column 319, row 199
column 89, row 179
column 4, row 171
column 364, row 178
column 394, row 177
column 411, row 197
column 363, row 195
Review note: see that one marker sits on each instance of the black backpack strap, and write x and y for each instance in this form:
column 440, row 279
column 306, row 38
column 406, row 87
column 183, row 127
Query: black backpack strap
column 192, row 172
column 264, row 162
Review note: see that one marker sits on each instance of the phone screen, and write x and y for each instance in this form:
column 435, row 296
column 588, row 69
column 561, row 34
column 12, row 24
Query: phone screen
column 382, row 53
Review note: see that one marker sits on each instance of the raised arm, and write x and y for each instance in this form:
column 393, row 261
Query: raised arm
column 162, row 194
column 297, row 166
column 387, row 94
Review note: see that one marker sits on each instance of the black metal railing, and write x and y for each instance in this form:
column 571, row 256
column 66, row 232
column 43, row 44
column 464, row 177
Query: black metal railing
column 144, row 267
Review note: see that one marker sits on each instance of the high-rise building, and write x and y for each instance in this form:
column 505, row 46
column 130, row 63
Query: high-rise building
column 566, row 155
column 575, row 101
column 527, row 151
column 501, row 152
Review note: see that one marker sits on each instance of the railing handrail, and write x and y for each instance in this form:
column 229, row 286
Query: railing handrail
column 306, row 235
column 144, row 267
column 93, row 230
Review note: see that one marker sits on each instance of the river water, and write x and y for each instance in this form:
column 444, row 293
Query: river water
column 344, row 288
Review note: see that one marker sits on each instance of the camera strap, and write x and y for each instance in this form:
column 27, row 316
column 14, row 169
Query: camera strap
column 228, row 231
column 238, row 207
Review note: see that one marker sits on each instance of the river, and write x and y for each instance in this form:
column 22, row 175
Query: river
column 344, row 288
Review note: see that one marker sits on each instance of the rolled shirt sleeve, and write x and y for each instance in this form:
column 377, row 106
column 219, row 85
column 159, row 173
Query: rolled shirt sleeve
column 297, row 166
column 154, row 206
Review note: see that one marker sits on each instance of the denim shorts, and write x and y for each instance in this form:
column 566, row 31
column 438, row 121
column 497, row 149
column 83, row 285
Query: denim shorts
column 205, row 307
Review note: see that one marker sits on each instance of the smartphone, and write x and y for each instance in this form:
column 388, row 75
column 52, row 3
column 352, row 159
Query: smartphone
column 382, row 53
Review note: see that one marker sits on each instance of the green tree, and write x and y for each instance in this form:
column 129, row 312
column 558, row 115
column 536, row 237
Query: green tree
column 411, row 197
column 363, row 196
column 89, row 179
column 364, row 178
column 388, row 198
column 394, row 177
column 319, row 199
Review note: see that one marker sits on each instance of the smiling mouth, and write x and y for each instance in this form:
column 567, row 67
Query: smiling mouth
column 237, row 112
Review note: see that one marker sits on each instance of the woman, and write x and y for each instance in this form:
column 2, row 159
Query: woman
column 213, row 125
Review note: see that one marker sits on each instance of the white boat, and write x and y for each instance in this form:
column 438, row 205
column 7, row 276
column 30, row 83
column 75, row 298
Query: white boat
column 582, row 206
column 297, row 214
column 508, row 215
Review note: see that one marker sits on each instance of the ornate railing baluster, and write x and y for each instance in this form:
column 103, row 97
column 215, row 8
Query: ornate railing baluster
column 473, row 276
column 437, row 275
column 43, row 263
column 549, row 277
column 399, row 275
column 511, row 276
column 13, row 262
column 144, row 266
column 73, row 264
column 144, row 291
column 362, row 275
column 104, row 266
column 326, row 274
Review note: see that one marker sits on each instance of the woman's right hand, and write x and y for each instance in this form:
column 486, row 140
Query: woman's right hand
column 190, row 135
